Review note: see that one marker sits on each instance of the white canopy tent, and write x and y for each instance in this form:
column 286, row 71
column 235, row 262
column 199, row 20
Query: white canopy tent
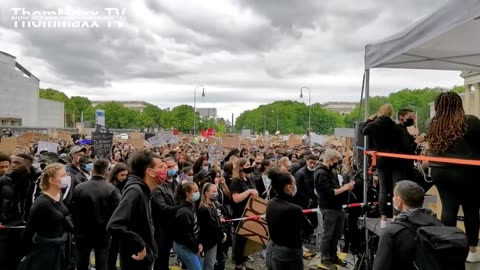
column 449, row 39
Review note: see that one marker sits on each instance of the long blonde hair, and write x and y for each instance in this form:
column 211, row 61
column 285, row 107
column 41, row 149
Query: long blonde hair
column 203, row 199
column 385, row 110
column 48, row 173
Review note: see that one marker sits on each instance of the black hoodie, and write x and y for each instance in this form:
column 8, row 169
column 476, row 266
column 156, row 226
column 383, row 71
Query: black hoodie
column 396, row 249
column 132, row 225
column 187, row 227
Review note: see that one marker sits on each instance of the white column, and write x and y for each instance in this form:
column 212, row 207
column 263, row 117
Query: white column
column 467, row 101
column 476, row 105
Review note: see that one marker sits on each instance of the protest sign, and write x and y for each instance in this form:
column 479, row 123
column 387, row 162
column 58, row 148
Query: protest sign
column 137, row 140
column 8, row 145
column 64, row 135
column 318, row 139
column 256, row 231
column 215, row 152
column 102, row 142
column 47, row 146
column 231, row 141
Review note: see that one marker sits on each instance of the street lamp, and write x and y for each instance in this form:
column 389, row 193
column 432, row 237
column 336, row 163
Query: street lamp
column 309, row 106
column 195, row 107
column 277, row 121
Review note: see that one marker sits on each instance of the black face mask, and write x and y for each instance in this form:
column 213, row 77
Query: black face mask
column 409, row 122
column 248, row 170
column 334, row 166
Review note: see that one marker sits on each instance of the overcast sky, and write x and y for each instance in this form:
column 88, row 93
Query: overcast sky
column 245, row 52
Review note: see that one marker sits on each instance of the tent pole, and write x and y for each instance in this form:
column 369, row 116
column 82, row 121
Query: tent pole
column 365, row 166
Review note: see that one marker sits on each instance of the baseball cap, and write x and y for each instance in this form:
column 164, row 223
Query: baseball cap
column 77, row 149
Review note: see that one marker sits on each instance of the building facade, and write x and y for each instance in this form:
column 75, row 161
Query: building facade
column 342, row 108
column 135, row 105
column 20, row 102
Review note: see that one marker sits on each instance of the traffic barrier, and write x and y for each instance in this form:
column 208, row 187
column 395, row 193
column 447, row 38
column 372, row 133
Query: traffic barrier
column 306, row 211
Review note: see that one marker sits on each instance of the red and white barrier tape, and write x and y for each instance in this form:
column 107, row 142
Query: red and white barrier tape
column 306, row 211
column 3, row 227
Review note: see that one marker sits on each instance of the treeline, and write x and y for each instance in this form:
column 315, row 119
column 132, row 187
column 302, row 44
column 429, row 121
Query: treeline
column 288, row 116
column 119, row 116
column 293, row 116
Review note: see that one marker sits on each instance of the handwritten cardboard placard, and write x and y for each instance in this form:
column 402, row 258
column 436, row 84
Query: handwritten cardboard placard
column 294, row 140
column 8, row 145
column 64, row 135
column 42, row 137
column 255, row 230
column 137, row 140
column 28, row 137
column 230, row 141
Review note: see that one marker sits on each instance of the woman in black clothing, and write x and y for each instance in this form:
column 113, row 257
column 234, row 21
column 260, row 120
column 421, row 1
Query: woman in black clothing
column 211, row 229
column 47, row 231
column 186, row 244
column 287, row 225
column 242, row 187
column 385, row 136
column 452, row 134
column 118, row 178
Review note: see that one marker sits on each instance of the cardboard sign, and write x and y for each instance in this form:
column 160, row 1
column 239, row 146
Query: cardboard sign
column 102, row 142
column 42, row 137
column 28, row 137
column 294, row 141
column 8, row 145
column 137, row 140
column 231, row 141
column 255, row 230
column 64, row 135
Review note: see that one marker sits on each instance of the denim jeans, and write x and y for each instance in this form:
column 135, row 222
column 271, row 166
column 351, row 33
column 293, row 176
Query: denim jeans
column 283, row 258
column 188, row 257
column 210, row 258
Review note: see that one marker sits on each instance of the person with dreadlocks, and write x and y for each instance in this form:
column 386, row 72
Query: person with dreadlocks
column 452, row 134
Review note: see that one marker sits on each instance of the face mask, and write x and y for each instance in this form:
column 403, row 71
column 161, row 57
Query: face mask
column 294, row 192
column 311, row 169
column 205, row 168
column 248, row 170
column 214, row 197
column 160, row 176
column 172, row 173
column 65, row 181
column 189, row 178
column 195, row 196
column 43, row 165
column 334, row 166
column 88, row 167
column 409, row 122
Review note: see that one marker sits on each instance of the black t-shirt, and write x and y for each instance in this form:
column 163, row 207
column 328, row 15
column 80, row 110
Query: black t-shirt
column 240, row 186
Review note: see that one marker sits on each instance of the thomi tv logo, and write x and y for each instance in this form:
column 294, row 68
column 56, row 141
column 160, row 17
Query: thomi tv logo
column 68, row 18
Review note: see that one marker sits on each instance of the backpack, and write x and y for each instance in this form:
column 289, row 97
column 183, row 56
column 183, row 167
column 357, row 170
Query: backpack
column 438, row 247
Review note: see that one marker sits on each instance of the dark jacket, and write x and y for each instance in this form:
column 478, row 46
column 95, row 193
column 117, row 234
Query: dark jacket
column 6, row 198
column 385, row 135
column 467, row 147
column 286, row 222
column 131, row 223
column 396, row 249
column 33, row 176
column 187, row 229
column 79, row 175
column 163, row 210
column 306, row 188
column 261, row 188
column 211, row 229
column 326, row 182
column 93, row 203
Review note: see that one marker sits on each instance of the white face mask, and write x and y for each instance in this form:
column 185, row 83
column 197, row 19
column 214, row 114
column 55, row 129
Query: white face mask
column 65, row 181
column 205, row 168
column 311, row 169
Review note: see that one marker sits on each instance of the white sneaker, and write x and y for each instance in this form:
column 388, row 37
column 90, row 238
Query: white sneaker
column 383, row 224
column 473, row 257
